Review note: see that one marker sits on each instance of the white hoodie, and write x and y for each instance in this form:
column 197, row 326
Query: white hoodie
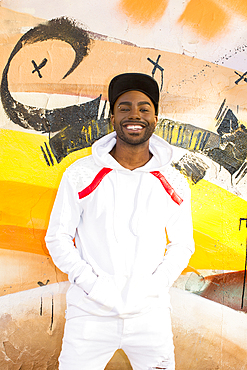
column 121, row 220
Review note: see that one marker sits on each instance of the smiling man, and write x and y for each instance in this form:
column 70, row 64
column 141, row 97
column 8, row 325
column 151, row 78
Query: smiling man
column 129, row 212
column 134, row 121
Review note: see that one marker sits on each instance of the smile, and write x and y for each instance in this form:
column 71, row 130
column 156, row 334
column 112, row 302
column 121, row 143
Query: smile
column 134, row 127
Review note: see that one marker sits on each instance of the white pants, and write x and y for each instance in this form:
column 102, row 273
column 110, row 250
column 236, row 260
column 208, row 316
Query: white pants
column 89, row 342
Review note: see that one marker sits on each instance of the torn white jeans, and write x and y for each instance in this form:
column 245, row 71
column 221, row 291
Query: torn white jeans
column 90, row 341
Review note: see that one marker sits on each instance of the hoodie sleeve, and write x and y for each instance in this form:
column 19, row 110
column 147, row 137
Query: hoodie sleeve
column 64, row 219
column 181, row 244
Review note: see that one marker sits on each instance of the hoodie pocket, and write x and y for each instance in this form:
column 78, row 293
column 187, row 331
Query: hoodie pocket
column 141, row 292
column 106, row 294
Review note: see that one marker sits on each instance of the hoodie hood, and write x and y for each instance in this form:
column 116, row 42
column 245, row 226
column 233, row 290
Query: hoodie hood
column 161, row 150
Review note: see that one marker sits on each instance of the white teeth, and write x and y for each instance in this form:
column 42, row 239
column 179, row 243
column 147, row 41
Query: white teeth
column 134, row 127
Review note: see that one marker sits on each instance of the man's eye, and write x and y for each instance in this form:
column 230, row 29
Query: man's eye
column 122, row 109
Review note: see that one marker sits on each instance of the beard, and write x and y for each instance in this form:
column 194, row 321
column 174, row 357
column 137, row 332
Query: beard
column 133, row 138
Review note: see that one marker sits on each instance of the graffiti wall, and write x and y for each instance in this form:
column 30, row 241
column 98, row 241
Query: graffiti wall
column 56, row 61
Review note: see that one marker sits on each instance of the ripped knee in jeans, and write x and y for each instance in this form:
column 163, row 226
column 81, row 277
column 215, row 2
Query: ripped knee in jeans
column 163, row 365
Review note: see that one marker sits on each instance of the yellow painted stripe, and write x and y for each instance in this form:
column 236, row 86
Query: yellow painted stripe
column 22, row 159
column 28, row 188
column 219, row 242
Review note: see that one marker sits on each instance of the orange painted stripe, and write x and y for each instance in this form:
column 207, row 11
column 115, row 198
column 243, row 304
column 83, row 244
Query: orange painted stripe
column 23, row 239
column 206, row 18
column 239, row 6
column 143, row 11
column 25, row 205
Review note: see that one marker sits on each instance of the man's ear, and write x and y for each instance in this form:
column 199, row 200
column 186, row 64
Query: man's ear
column 155, row 120
column 112, row 120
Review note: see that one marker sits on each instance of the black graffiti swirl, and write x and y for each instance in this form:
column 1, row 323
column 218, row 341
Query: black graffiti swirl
column 41, row 119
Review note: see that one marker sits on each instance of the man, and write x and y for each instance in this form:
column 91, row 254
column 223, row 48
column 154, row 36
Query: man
column 121, row 205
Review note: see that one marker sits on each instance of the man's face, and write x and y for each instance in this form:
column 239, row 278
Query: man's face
column 134, row 118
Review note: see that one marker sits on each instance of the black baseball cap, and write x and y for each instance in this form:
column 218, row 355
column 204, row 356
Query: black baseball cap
column 122, row 83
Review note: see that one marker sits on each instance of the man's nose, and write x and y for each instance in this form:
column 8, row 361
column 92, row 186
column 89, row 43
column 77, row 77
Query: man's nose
column 134, row 113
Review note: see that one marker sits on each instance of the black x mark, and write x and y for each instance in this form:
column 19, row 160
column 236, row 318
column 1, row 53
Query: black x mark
column 156, row 65
column 37, row 68
column 241, row 77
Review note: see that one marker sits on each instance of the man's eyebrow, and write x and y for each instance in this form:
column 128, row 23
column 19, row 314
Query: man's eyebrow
column 143, row 103
column 130, row 103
